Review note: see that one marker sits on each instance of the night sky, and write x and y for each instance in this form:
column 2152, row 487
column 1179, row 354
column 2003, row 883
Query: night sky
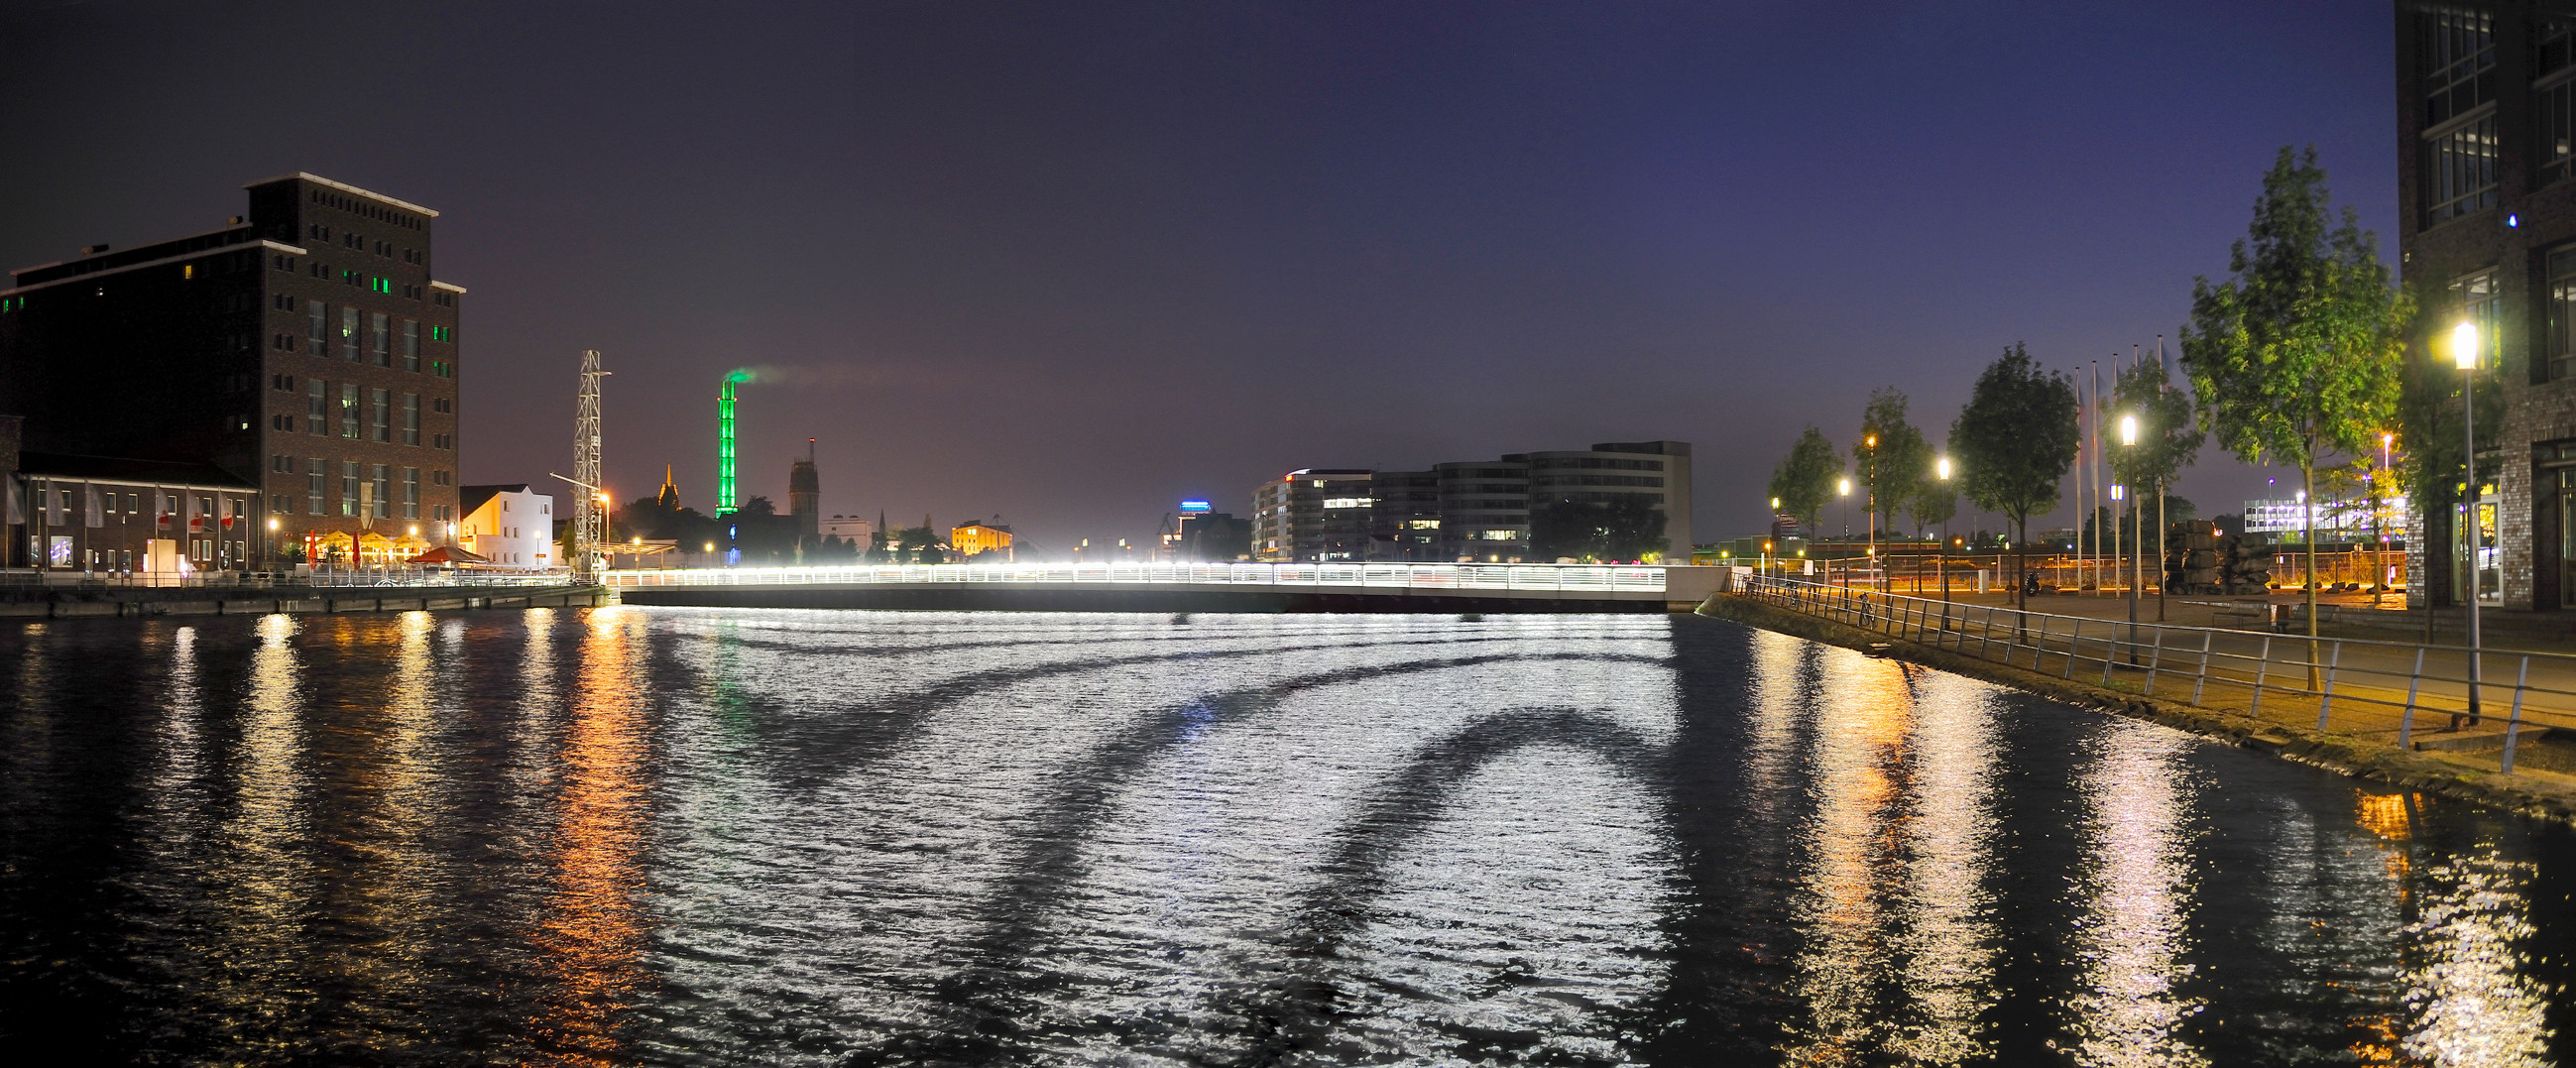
column 1070, row 263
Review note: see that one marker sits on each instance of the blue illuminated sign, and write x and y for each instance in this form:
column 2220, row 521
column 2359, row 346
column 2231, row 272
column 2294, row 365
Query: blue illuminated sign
column 1194, row 506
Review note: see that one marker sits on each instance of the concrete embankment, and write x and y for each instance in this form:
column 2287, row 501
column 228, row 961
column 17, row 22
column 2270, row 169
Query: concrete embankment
column 2541, row 794
column 221, row 601
column 1101, row 597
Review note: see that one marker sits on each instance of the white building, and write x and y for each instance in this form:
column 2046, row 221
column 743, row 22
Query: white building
column 2360, row 519
column 508, row 525
column 848, row 528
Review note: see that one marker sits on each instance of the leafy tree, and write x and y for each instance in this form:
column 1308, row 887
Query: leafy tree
column 2014, row 440
column 2169, row 439
column 2296, row 357
column 1805, row 478
column 1899, row 465
column 1932, row 504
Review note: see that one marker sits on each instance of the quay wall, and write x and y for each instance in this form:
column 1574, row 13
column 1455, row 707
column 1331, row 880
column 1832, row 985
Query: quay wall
column 222, row 601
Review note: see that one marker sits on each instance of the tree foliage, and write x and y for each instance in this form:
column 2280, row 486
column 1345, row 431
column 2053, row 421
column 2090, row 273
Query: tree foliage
column 2296, row 357
column 1804, row 481
column 1900, row 464
column 2015, row 439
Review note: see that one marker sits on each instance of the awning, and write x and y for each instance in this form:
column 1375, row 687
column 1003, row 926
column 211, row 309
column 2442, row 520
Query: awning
column 449, row 554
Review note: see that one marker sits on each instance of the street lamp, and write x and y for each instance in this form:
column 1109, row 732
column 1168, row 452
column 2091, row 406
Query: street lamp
column 1941, row 559
column 1842, row 488
column 2137, row 571
column 2464, row 354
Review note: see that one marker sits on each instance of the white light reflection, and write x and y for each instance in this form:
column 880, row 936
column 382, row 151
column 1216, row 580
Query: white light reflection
column 1948, row 939
column 2469, row 988
column 2137, row 903
column 1861, row 728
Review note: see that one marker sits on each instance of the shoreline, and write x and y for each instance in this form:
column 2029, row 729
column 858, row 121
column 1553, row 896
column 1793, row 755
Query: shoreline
column 2525, row 794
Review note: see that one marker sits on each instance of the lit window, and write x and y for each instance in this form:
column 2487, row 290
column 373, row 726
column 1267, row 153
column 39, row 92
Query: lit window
column 348, row 409
column 349, row 487
column 349, row 335
column 384, row 500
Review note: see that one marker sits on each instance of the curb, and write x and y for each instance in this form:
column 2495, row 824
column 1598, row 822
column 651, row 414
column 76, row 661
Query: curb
column 2342, row 754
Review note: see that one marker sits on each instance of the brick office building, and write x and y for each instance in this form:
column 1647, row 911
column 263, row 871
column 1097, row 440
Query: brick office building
column 304, row 350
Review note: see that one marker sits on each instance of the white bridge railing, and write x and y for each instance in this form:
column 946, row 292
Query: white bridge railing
column 1639, row 579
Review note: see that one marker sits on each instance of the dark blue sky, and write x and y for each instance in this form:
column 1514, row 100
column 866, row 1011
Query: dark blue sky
column 1071, row 263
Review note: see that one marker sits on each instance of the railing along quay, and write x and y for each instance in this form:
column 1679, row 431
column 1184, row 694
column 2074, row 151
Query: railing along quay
column 1529, row 577
column 2410, row 695
column 274, row 580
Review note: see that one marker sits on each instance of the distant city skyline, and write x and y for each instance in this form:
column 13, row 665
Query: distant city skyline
column 1071, row 266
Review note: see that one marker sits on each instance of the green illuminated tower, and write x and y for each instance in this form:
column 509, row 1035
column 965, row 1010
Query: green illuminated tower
column 726, row 504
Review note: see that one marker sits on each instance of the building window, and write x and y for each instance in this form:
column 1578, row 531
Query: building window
column 2460, row 170
column 349, row 410
column 316, row 479
column 411, row 493
column 349, row 334
column 2456, row 53
column 314, row 318
column 384, row 501
column 2553, row 109
column 349, row 488
column 411, row 346
column 2456, row 61
column 380, row 335
column 380, row 414
column 411, row 418
column 2562, row 314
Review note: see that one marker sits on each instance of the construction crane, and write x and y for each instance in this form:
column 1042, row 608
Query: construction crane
column 590, row 517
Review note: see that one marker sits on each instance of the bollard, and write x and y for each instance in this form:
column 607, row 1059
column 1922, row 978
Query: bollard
column 2262, row 668
column 2201, row 680
column 2513, row 727
column 2406, row 722
column 2333, row 660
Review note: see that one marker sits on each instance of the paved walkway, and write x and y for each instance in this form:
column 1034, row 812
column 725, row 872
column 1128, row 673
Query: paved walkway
column 2362, row 686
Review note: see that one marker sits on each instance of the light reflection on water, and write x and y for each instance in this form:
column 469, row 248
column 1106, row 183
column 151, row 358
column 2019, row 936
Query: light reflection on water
column 680, row 836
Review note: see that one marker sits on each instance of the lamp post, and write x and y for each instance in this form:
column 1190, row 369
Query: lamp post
column 1775, row 530
column 1842, row 488
column 1941, row 558
column 2137, row 570
column 1871, row 443
column 2464, row 354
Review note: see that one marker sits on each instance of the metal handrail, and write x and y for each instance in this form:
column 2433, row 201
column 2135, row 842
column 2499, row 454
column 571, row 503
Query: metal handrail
column 1531, row 577
column 2356, row 680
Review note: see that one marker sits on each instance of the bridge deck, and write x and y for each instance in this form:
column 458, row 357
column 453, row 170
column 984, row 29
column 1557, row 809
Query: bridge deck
column 1180, row 587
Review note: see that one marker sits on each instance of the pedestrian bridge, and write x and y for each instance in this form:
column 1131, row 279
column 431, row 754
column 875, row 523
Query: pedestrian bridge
column 1184, row 587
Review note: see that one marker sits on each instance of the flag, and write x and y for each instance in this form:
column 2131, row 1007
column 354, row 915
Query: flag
column 17, row 512
column 228, row 513
column 196, row 521
column 91, row 501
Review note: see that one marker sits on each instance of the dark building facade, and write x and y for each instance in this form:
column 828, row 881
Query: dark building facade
column 1472, row 511
column 805, row 499
column 304, row 350
column 2486, row 138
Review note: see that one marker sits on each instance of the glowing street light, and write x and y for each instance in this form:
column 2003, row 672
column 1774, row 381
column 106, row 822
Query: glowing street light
column 2464, row 355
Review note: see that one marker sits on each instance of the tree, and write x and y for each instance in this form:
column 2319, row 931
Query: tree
column 1899, row 465
column 2169, row 439
column 2015, row 439
column 2296, row 356
column 1934, row 503
column 1805, row 478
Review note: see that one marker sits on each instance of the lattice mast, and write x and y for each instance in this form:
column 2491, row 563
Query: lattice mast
column 590, row 521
